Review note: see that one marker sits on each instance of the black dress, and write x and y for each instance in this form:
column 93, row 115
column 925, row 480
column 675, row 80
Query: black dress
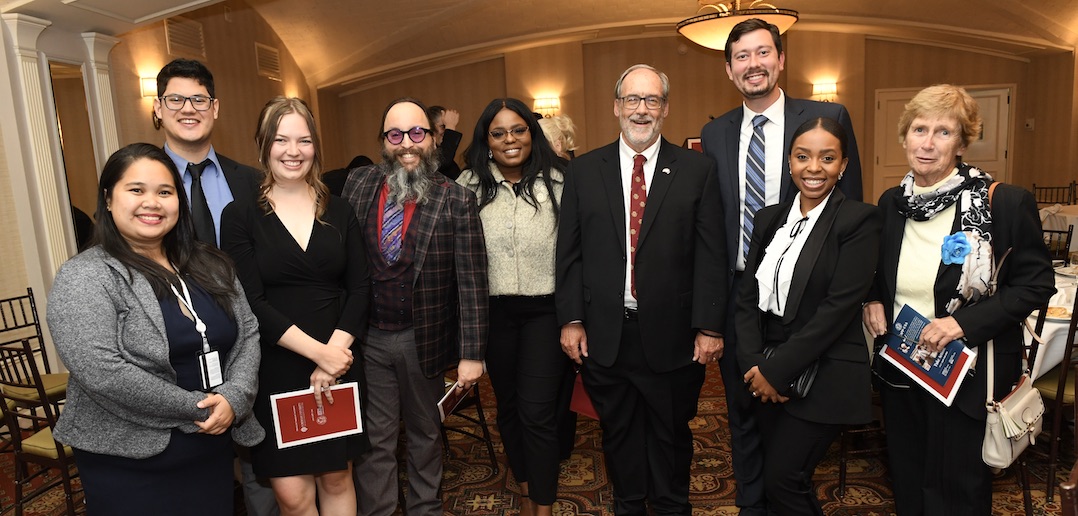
column 318, row 290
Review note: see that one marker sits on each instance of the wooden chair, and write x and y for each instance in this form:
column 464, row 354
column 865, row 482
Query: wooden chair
column 1055, row 194
column 19, row 321
column 37, row 453
column 1058, row 394
column 1059, row 242
column 1068, row 494
column 471, row 399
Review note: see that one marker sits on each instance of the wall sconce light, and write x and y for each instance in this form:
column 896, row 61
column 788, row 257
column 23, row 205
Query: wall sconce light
column 547, row 107
column 148, row 86
column 824, row 92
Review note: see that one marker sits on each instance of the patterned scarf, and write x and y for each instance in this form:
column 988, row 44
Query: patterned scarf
column 969, row 188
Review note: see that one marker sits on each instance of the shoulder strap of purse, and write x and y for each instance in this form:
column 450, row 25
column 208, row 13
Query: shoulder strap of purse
column 991, row 374
column 991, row 190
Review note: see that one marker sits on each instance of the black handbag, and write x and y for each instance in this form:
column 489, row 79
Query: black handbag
column 799, row 388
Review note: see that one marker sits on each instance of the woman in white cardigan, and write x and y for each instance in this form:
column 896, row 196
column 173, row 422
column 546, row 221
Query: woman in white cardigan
column 512, row 170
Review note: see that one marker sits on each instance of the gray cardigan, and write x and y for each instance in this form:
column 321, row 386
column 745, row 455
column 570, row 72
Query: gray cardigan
column 122, row 397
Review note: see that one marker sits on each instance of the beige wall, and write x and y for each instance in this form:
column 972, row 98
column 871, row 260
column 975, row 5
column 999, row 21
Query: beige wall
column 230, row 55
column 466, row 88
column 13, row 278
column 585, row 74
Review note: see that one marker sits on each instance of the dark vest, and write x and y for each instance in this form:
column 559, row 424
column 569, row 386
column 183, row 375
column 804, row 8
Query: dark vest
column 391, row 284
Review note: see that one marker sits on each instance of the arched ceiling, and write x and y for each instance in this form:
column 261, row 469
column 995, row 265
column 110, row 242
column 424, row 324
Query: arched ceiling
column 343, row 44
column 347, row 42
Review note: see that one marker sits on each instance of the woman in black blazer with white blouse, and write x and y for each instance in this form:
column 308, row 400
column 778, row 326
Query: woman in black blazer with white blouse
column 811, row 263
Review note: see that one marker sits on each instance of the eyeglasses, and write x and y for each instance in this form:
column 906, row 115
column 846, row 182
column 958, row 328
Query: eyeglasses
column 176, row 102
column 633, row 101
column 416, row 134
column 517, row 132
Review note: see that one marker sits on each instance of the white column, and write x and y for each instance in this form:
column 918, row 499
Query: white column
column 42, row 174
column 103, row 125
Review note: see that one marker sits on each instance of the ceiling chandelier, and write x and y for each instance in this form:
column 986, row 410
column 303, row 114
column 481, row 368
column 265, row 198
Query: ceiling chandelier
column 711, row 29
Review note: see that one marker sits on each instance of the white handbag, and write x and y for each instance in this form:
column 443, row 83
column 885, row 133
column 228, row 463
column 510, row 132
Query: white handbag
column 1013, row 423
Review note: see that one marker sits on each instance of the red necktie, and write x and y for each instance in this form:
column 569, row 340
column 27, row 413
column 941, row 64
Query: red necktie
column 638, row 196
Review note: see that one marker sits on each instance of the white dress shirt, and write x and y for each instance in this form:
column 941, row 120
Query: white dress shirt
column 626, row 155
column 776, row 270
column 774, row 146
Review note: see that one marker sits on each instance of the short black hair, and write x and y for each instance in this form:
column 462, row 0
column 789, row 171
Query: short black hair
column 188, row 69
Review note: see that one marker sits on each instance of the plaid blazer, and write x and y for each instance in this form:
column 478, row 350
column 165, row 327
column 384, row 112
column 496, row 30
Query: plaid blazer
column 449, row 311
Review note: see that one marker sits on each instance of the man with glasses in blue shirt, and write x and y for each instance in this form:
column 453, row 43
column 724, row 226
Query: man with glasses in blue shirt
column 186, row 109
column 428, row 312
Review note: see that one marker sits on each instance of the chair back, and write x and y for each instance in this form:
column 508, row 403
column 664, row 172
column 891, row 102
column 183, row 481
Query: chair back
column 1055, row 194
column 1059, row 242
column 1068, row 494
column 19, row 320
column 21, row 385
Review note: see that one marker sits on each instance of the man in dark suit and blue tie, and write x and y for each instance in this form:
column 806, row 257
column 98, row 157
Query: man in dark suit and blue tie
column 641, row 293
column 750, row 145
column 186, row 109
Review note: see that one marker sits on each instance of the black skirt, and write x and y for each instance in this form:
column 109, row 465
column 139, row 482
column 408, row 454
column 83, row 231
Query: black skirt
column 192, row 476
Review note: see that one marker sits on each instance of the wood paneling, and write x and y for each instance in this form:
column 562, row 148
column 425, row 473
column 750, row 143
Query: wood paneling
column 1052, row 145
column 699, row 87
column 230, row 56
column 904, row 65
column 555, row 70
column 77, row 143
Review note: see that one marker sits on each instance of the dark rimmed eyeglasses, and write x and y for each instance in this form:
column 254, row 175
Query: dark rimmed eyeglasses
column 176, row 102
column 501, row 134
column 633, row 101
column 416, row 134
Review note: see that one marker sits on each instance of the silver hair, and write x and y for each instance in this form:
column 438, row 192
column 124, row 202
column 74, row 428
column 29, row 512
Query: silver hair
column 662, row 77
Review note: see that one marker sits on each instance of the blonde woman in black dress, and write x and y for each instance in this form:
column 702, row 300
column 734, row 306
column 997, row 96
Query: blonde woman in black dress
column 300, row 255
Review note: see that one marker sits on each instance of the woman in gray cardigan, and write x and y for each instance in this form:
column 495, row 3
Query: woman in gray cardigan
column 162, row 348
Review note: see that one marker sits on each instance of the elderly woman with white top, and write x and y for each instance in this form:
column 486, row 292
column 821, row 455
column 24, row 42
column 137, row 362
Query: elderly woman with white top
column 811, row 262
column 512, row 170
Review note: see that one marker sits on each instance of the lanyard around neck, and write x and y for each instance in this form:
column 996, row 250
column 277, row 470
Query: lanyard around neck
column 188, row 303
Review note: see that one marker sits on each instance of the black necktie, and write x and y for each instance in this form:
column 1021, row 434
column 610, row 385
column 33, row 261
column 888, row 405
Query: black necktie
column 200, row 209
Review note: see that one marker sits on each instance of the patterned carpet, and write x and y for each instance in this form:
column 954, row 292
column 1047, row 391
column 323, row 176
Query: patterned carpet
column 471, row 487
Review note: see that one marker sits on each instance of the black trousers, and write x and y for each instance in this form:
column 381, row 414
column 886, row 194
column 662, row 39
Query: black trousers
column 935, row 455
column 792, row 449
column 527, row 368
column 747, row 450
column 645, row 418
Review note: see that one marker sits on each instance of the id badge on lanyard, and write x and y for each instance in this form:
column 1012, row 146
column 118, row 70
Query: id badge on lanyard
column 209, row 359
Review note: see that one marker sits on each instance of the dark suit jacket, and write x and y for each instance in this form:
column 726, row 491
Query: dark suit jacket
column 449, row 309
column 1025, row 282
column 679, row 258
column 448, row 148
column 823, row 312
column 242, row 180
column 721, row 137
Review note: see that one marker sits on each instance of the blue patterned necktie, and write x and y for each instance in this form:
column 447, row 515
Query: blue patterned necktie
column 392, row 223
column 755, row 189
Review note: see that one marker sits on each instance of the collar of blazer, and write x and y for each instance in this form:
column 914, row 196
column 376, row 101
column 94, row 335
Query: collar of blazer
column 424, row 220
column 665, row 170
column 810, row 253
column 142, row 291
